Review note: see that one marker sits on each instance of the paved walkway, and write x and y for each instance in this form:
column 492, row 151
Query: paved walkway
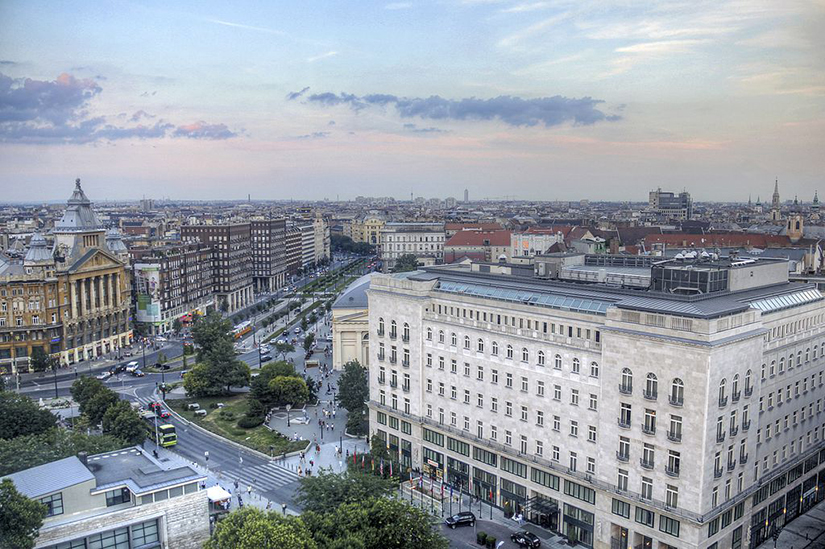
column 805, row 532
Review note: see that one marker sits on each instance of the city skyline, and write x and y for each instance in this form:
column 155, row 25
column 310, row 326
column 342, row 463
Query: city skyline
column 537, row 100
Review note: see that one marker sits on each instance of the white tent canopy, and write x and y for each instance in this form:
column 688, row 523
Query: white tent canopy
column 216, row 493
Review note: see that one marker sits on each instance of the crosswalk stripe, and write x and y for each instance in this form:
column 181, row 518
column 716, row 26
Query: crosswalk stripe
column 244, row 478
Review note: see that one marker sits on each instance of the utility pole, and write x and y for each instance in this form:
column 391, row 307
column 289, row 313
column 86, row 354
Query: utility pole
column 54, row 369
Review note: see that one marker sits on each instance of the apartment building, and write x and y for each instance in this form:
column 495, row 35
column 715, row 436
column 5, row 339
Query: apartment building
column 124, row 499
column 683, row 414
column 171, row 282
column 423, row 240
column 293, row 249
column 268, row 238
column 671, row 205
column 231, row 261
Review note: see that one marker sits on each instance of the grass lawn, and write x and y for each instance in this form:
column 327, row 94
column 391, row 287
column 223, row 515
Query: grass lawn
column 224, row 422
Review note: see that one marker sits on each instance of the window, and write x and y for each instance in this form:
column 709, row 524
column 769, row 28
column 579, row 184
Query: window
column 494, row 374
column 576, row 366
column 467, row 342
column 557, row 392
column 677, row 392
column 480, row 373
column 441, row 336
column 574, row 397
column 591, row 433
column 494, row 349
column 574, row 428
column 621, row 508
column 541, row 358
column 453, row 339
column 557, row 362
column 480, row 346
column 429, row 334
column 621, row 483
column 116, row 497
column 556, row 423
column 145, row 533
column 540, row 388
column 524, row 413
column 643, row 516
column 508, row 382
column 626, row 415
column 113, row 539
column 493, row 404
column 627, row 381
column 508, row 409
column 651, row 386
column 509, row 351
column 594, row 369
column 54, row 504
column 594, row 402
column 669, row 526
column 540, row 418
column 525, row 355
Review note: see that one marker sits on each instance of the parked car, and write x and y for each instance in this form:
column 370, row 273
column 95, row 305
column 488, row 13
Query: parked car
column 103, row 376
column 138, row 373
column 132, row 366
column 160, row 366
column 265, row 357
column 465, row 518
column 525, row 539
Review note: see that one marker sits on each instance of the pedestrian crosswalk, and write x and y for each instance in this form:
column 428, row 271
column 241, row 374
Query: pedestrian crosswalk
column 262, row 478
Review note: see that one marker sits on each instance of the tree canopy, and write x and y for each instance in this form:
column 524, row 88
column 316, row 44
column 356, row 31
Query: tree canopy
column 218, row 369
column 251, row 528
column 19, row 415
column 31, row 450
column 20, row 517
column 324, row 492
column 123, row 422
column 353, row 387
column 406, row 262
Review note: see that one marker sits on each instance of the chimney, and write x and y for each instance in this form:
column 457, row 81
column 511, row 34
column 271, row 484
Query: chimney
column 82, row 456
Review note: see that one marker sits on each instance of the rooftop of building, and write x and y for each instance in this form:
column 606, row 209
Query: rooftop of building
column 597, row 298
column 130, row 467
column 479, row 238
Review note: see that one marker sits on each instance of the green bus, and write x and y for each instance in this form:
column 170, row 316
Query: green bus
column 167, row 435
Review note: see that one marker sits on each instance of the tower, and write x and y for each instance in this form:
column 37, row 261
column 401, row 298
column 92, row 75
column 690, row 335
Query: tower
column 776, row 214
column 795, row 228
column 815, row 203
column 466, row 196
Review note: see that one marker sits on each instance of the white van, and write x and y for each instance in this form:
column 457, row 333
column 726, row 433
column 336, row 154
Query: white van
column 132, row 366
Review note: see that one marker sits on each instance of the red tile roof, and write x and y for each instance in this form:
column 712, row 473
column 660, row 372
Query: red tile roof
column 477, row 238
column 472, row 227
column 722, row 240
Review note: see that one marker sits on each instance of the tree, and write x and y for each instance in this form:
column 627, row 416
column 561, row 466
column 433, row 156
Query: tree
column 123, row 422
column 85, row 388
column 33, row 450
column 218, row 370
column 40, row 361
column 208, row 331
column 289, row 390
column 259, row 388
column 374, row 523
column 304, row 324
column 20, row 517
column 406, row 262
column 378, row 448
column 177, row 325
column 313, row 318
column 324, row 492
column 251, row 528
column 353, row 388
column 283, row 348
column 309, row 341
column 97, row 406
column 19, row 415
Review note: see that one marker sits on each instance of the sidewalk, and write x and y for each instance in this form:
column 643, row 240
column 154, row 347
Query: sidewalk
column 805, row 532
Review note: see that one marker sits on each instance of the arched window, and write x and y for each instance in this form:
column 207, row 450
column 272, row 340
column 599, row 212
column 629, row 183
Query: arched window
column 594, row 369
column 380, row 326
column 541, row 358
column 799, row 358
column 406, row 333
column 723, row 397
column 393, row 329
column 576, row 366
column 429, row 334
column 525, row 355
column 807, row 355
column 734, row 388
column 494, row 348
column 748, row 388
column 627, row 381
column 677, row 392
column 466, row 342
column 480, row 346
column 441, row 336
column 509, row 351
column 816, row 349
column 453, row 339
column 557, row 362
column 651, row 386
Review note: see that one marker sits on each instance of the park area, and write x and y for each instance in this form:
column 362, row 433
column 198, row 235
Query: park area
column 224, row 420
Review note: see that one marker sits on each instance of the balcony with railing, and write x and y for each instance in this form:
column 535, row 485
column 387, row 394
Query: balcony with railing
column 676, row 401
column 650, row 395
column 648, row 429
column 734, row 430
column 748, row 392
column 717, row 472
column 382, row 380
column 743, row 458
column 731, row 465
column 720, row 437
column 624, row 423
column 393, row 359
column 405, row 338
column 393, row 335
column 625, row 389
column 736, row 396
column 380, row 331
column 622, row 457
column 646, row 464
column 672, row 471
column 723, row 401
column 381, row 356
column 746, row 425
column 393, row 383
column 674, row 436
column 406, row 387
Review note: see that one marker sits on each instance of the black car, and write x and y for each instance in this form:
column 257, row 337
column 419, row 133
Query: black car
column 525, row 539
column 461, row 519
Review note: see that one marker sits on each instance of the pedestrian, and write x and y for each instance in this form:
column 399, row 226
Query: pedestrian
column 300, row 471
column 236, row 485
column 283, row 507
column 249, row 490
column 268, row 505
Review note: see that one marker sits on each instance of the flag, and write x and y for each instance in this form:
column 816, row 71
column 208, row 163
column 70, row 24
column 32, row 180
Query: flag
column 491, row 494
column 362, row 461
column 372, row 463
column 411, row 480
column 355, row 457
column 390, row 468
column 421, row 482
column 442, row 490
column 381, row 467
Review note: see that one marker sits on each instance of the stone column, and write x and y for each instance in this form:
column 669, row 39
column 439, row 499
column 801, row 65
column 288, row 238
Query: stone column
column 82, row 284
column 72, row 299
column 92, row 293
column 115, row 284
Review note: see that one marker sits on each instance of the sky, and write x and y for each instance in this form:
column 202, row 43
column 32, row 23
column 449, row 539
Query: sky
column 528, row 99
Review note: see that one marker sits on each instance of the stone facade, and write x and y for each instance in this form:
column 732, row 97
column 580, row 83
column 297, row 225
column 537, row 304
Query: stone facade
column 643, row 429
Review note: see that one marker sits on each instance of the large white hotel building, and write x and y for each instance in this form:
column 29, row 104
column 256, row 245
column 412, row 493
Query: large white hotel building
column 672, row 404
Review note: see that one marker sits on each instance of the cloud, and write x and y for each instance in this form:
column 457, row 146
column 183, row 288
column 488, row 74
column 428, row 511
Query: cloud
column 331, row 123
column 202, row 130
column 415, row 129
column 521, row 8
column 514, row 111
column 7, row 63
column 514, row 40
column 245, row 27
column 322, row 56
column 398, row 6
column 295, row 95
column 314, row 135
column 57, row 111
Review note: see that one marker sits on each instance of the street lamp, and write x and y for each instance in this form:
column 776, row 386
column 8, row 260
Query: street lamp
column 288, row 408
column 54, row 369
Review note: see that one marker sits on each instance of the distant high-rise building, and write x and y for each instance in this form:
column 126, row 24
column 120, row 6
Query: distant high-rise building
column 671, row 205
column 268, row 253
column 466, row 196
